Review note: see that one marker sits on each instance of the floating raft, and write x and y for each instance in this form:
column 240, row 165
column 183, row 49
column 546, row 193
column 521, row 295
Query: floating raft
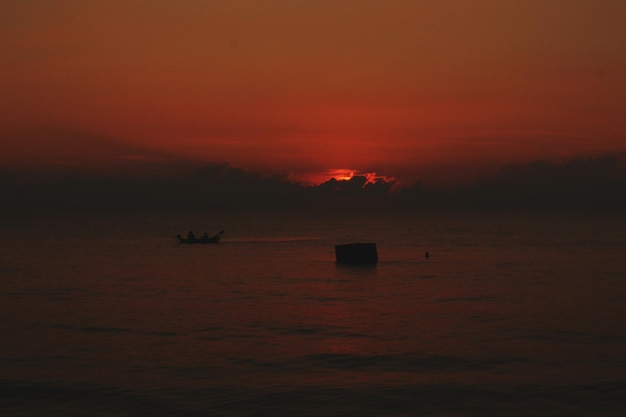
column 357, row 254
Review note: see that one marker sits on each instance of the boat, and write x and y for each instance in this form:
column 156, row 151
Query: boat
column 190, row 240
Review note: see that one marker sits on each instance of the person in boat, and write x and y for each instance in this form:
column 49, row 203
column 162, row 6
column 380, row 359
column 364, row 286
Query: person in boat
column 191, row 237
column 205, row 237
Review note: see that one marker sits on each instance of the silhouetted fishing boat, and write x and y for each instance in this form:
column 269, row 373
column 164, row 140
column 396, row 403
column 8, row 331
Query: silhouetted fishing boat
column 191, row 239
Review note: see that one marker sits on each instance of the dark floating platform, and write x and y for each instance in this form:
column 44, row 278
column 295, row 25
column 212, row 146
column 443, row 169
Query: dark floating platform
column 356, row 254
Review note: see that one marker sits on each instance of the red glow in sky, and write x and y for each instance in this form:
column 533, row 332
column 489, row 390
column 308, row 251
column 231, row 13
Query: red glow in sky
column 433, row 90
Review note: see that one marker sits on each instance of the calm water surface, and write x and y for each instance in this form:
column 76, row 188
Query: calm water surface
column 513, row 314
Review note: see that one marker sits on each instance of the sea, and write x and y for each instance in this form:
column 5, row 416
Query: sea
column 513, row 313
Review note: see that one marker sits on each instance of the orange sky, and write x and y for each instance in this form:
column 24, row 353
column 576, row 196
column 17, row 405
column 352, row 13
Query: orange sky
column 430, row 90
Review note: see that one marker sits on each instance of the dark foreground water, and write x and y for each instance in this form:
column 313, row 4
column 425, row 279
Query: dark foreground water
column 513, row 314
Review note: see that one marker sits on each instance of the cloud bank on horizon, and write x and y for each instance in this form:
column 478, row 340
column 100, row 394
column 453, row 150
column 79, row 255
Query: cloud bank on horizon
column 593, row 183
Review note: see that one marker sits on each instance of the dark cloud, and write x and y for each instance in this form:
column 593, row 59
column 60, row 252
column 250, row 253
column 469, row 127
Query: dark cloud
column 216, row 185
column 577, row 183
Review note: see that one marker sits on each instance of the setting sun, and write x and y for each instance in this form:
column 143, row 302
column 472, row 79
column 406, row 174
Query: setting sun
column 338, row 174
column 341, row 174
